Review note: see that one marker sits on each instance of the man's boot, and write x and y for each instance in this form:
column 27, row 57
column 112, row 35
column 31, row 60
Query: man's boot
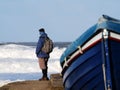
column 44, row 72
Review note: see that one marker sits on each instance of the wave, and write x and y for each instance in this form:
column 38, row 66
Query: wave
column 19, row 62
column 24, row 52
column 16, row 51
column 21, row 59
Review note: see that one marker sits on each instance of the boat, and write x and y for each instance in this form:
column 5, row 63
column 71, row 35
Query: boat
column 92, row 61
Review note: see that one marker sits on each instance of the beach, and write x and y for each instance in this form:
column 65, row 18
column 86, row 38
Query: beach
column 19, row 62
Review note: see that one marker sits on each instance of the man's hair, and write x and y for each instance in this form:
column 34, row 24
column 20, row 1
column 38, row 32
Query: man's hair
column 42, row 30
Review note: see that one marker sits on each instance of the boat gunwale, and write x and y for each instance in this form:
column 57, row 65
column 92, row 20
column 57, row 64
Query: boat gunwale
column 69, row 62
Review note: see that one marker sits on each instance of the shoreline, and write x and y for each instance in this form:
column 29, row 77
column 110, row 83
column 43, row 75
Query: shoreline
column 55, row 83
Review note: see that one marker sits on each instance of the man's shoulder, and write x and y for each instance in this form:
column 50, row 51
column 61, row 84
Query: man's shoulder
column 42, row 37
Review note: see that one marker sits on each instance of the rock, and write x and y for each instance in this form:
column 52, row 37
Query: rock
column 28, row 85
column 55, row 83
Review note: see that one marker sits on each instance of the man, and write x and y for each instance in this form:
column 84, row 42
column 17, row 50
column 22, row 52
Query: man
column 42, row 56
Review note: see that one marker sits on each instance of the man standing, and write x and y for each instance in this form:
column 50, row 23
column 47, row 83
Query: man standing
column 42, row 56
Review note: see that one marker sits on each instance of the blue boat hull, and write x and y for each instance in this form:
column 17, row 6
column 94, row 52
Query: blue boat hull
column 92, row 62
column 86, row 72
column 115, row 64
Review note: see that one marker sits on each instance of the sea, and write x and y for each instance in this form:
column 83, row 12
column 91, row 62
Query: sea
column 18, row 61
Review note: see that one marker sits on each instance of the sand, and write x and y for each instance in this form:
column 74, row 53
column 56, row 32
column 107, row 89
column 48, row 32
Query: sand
column 55, row 83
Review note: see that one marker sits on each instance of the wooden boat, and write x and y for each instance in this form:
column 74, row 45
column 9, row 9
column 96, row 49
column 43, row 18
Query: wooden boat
column 92, row 62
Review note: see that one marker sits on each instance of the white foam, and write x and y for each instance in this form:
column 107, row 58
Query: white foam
column 19, row 62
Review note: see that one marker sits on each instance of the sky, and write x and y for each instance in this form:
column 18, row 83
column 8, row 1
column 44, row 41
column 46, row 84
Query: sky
column 63, row 20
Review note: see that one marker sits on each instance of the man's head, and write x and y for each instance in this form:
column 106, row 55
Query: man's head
column 42, row 30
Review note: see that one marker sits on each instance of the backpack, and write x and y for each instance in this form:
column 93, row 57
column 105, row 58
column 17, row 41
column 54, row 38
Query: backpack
column 48, row 45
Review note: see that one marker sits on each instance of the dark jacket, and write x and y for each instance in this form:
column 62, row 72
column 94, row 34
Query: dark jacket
column 39, row 53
